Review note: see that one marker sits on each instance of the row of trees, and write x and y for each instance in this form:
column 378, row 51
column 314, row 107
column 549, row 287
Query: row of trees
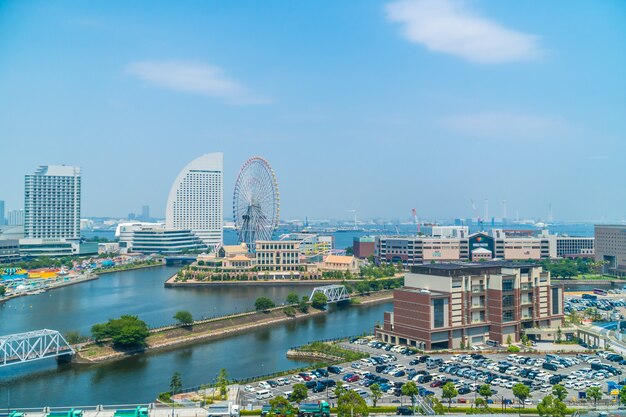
column 567, row 268
column 319, row 301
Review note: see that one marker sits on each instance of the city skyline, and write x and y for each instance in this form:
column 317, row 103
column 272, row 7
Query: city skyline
column 381, row 113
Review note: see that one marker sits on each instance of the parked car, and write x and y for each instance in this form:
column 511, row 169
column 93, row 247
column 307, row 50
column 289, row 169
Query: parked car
column 404, row 411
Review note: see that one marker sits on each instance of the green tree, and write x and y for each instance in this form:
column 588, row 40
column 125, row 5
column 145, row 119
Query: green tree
column 299, row 393
column 292, row 298
column 280, row 406
column 3, row 290
column 350, row 404
column 303, row 305
column 521, row 392
column 480, row 402
column 551, row 407
column 438, row 408
column 622, row 395
column 319, row 301
column 339, row 389
column 410, row 390
column 377, row 393
column 127, row 331
column 449, row 392
column 594, row 394
column 485, row 391
column 176, row 383
column 74, row 338
column 559, row 392
column 263, row 304
column 222, row 381
column 184, row 317
column 509, row 340
column 559, row 336
column 524, row 339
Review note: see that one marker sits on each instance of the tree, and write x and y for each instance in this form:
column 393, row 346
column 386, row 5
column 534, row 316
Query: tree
column 350, row 404
column 559, row 336
column 339, row 389
column 292, row 298
column 595, row 394
column 127, row 331
column 280, row 406
column 521, row 392
column 176, row 383
column 559, row 392
column 480, row 402
column 263, row 304
column 3, row 290
column 449, row 392
column 551, row 407
column 509, row 340
column 184, row 317
column 303, row 305
column 438, row 408
column 622, row 395
column 410, row 390
column 377, row 393
column 74, row 337
column 222, row 381
column 319, row 301
column 299, row 393
column 485, row 391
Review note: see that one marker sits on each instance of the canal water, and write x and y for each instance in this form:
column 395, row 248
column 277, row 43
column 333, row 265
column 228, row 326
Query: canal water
column 140, row 378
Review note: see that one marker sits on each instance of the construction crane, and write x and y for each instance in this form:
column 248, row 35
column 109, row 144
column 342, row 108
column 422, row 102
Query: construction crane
column 416, row 220
column 480, row 221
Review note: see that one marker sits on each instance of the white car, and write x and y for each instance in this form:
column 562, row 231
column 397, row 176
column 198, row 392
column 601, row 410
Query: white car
column 264, row 385
column 248, row 388
column 283, row 381
column 297, row 378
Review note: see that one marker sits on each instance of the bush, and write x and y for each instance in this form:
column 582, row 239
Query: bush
column 513, row 349
column 263, row 304
column 319, row 301
column 290, row 311
column 184, row 317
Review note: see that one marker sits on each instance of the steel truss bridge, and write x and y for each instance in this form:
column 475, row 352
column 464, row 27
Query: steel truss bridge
column 333, row 293
column 32, row 346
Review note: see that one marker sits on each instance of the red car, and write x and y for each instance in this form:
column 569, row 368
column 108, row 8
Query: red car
column 305, row 376
column 435, row 384
column 353, row 378
column 462, row 401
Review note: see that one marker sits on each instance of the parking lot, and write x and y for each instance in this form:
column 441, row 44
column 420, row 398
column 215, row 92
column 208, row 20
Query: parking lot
column 391, row 369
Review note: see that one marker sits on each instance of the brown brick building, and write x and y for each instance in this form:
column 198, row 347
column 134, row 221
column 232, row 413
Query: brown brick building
column 444, row 305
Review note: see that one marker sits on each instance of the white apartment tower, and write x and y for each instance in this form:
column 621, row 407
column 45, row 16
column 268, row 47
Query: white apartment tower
column 52, row 203
column 196, row 199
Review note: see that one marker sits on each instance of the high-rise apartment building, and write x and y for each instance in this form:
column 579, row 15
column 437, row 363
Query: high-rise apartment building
column 196, row 199
column 52, row 203
column 145, row 213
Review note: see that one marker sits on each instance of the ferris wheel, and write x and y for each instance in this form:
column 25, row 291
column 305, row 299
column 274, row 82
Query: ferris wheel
column 256, row 204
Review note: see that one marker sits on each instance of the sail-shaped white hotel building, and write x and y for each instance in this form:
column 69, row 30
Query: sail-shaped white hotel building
column 196, row 199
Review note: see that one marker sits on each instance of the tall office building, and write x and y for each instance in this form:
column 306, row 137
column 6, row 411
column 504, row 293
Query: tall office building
column 196, row 199
column 15, row 218
column 52, row 203
column 2, row 213
column 610, row 247
column 145, row 213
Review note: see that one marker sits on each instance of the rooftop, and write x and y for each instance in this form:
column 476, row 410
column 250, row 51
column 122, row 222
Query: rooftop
column 463, row 268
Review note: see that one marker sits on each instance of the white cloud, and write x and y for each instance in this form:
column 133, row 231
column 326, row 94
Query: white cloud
column 507, row 125
column 448, row 26
column 194, row 78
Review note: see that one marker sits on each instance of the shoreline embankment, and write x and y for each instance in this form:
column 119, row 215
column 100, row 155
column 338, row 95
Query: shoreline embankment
column 175, row 336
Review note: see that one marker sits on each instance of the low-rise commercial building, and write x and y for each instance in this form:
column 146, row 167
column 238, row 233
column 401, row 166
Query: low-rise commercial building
column 416, row 250
column 278, row 255
column 340, row 263
column 610, row 247
column 449, row 305
column 9, row 251
column 155, row 238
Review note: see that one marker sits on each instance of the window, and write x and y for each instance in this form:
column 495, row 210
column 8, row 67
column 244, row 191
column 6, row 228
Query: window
column 555, row 301
column 438, row 313
column 507, row 285
column 507, row 301
column 507, row 315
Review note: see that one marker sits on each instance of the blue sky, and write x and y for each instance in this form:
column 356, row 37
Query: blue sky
column 369, row 105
